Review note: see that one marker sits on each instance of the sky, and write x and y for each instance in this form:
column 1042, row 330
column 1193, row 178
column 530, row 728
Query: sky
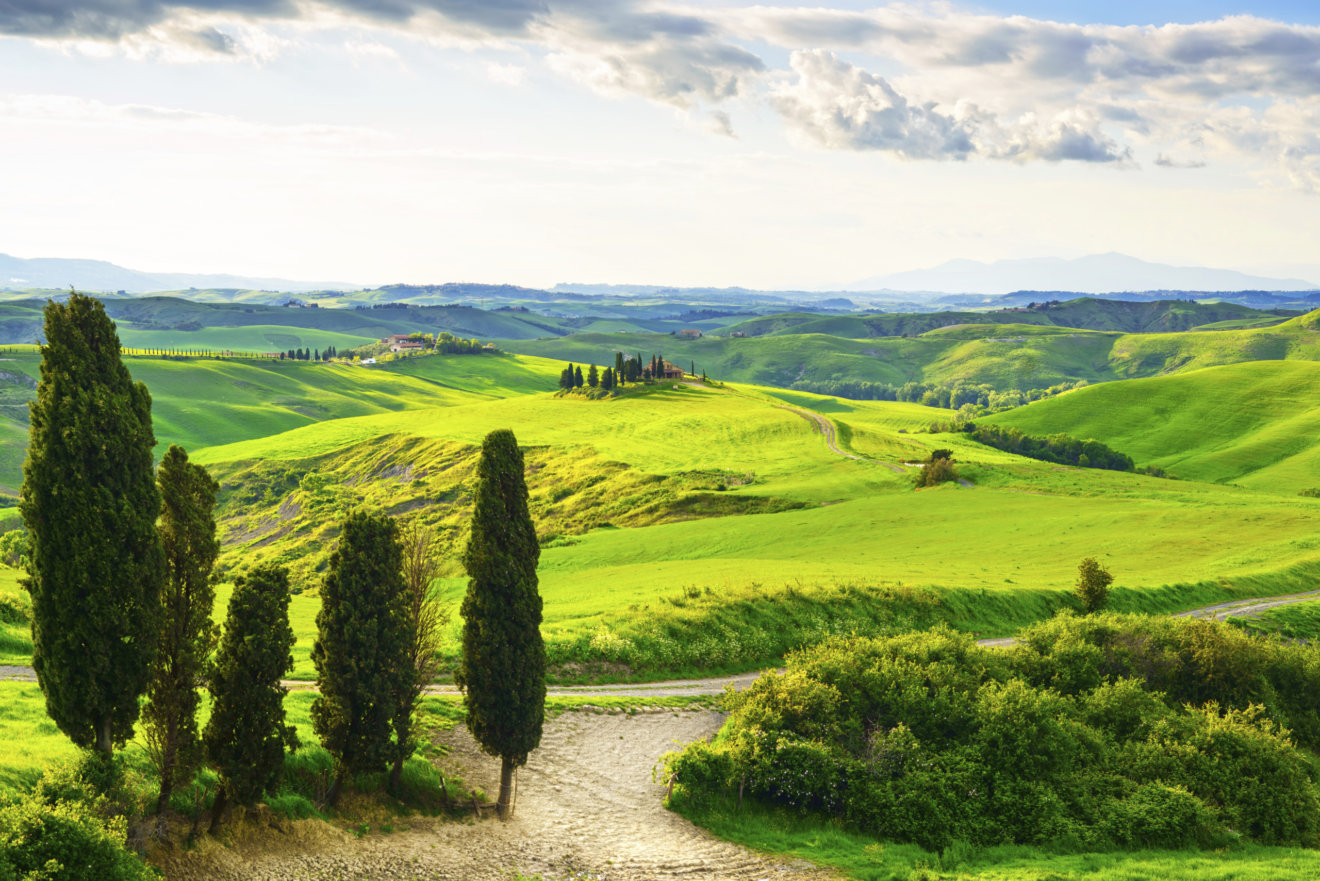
column 768, row 145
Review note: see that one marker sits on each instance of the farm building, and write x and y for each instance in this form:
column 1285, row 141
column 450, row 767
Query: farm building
column 690, row 334
column 406, row 345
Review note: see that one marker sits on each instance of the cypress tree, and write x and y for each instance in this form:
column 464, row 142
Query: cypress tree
column 187, row 636
column 90, row 503
column 361, row 650
column 246, row 737
column 502, row 669
column 427, row 620
column 618, row 363
column 577, row 378
column 593, row 378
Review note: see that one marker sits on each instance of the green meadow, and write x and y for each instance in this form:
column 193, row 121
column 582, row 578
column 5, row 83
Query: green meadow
column 1253, row 424
column 252, row 338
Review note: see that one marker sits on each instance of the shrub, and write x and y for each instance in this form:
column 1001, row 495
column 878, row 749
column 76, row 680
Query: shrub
column 66, row 829
column 1093, row 582
column 1089, row 734
column 935, row 472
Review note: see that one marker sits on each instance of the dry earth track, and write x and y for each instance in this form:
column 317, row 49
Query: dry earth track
column 587, row 808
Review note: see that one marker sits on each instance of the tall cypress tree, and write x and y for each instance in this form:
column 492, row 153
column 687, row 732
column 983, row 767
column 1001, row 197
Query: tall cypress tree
column 246, row 736
column 577, row 378
column 428, row 618
column 502, row 670
column 593, row 377
column 90, row 503
column 362, row 647
column 187, row 635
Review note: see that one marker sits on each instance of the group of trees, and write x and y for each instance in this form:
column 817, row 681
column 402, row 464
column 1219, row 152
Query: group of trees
column 1057, row 448
column 329, row 354
column 120, row 565
column 625, row 370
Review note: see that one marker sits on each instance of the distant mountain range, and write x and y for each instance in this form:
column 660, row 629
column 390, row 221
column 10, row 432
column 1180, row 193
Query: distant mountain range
column 1096, row 274
column 17, row 273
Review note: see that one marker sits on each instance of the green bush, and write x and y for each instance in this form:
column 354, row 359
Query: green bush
column 67, row 830
column 1093, row 732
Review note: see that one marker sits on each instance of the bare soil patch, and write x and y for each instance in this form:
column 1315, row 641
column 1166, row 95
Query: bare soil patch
column 587, row 807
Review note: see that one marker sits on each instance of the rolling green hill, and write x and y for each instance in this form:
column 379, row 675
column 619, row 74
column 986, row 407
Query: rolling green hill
column 1253, row 424
column 1082, row 313
column 251, row 338
column 1002, row 356
column 201, row 402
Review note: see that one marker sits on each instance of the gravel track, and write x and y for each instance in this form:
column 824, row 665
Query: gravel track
column 586, row 808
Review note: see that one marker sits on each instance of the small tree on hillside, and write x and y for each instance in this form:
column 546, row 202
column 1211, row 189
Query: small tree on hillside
column 577, row 378
column 187, row 635
column 593, row 378
column 90, row 504
column 1093, row 582
column 246, row 737
column 361, row 650
column 935, row 472
column 502, row 670
column 427, row 619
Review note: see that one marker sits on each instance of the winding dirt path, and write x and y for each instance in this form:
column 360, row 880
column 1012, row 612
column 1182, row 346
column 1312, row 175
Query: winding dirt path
column 587, row 809
column 824, row 426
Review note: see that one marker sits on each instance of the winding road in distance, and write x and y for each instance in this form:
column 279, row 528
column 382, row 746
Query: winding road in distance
column 715, row 685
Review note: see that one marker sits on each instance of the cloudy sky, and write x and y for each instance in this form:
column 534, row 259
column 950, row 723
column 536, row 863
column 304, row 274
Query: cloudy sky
column 771, row 145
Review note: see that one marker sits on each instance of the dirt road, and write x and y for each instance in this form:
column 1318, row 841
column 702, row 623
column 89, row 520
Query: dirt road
column 586, row 809
column 825, row 427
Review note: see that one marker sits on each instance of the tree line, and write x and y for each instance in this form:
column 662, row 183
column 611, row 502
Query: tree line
column 1057, row 448
column 120, row 568
column 947, row 396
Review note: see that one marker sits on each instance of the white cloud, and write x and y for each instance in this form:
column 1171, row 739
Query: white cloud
column 840, row 106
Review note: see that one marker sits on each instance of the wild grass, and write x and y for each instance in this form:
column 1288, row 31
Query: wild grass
column 868, row 859
column 15, row 617
column 1298, row 621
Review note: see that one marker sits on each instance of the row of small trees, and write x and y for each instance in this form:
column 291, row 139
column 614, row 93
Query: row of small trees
column 120, row 564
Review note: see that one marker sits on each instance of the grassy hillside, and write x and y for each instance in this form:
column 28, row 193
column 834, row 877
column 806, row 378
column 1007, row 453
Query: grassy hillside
column 251, row 338
column 1085, row 313
column 1009, row 356
column 791, row 512
column 1253, row 424
column 200, row 402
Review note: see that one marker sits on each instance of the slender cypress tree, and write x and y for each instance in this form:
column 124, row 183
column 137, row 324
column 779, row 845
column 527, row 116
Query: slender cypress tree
column 593, row 378
column 427, row 619
column 90, row 503
column 618, row 363
column 502, row 670
column 246, row 736
column 187, row 635
column 361, row 650
column 577, row 378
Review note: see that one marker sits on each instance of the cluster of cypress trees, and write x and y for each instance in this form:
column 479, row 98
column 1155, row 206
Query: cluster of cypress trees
column 310, row 354
column 120, row 572
column 119, row 568
column 625, row 370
